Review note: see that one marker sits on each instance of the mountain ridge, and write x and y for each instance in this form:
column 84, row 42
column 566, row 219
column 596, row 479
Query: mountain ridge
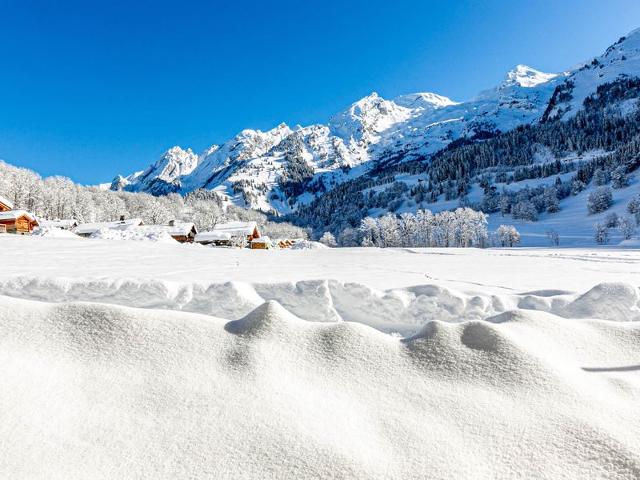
column 283, row 168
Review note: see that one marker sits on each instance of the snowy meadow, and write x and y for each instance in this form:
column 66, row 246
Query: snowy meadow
column 126, row 359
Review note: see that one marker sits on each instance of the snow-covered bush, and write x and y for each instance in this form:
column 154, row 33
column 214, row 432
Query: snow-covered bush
column 508, row 235
column 601, row 234
column 599, row 200
column 328, row 239
column 626, row 227
column 611, row 220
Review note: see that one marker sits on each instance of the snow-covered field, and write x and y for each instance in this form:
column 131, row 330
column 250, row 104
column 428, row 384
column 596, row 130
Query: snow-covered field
column 159, row 360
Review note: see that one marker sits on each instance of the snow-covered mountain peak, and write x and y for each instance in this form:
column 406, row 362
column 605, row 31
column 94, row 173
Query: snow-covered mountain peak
column 367, row 117
column 527, row 77
column 423, row 101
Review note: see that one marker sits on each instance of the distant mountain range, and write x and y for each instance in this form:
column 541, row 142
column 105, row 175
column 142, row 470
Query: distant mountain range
column 285, row 168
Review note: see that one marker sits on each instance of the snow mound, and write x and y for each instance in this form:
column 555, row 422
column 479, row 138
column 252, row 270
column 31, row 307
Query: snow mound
column 132, row 234
column 610, row 301
column 53, row 233
column 117, row 392
column 402, row 310
column 308, row 245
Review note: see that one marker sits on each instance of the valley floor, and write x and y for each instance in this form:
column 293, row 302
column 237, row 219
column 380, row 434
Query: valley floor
column 155, row 360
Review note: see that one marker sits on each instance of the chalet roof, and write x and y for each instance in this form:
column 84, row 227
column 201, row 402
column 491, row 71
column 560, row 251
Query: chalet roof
column 6, row 201
column 236, row 229
column 89, row 228
column 175, row 230
column 15, row 214
column 65, row 223
column 214, row 236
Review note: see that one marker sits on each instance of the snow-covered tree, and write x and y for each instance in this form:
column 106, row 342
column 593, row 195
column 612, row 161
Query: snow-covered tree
column 633, row 207
column 601, row 234
column 328, row 239
column 619, row 177
column 508, row 235
column 554, row 237
column 627, row 227
column 599, row 200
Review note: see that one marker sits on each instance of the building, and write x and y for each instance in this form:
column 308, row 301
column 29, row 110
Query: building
column 67, row 224
column 20, row 222
column 5, row 204
column 231, row 233
column 88, row 229
column 261, row 243
column 181, row 232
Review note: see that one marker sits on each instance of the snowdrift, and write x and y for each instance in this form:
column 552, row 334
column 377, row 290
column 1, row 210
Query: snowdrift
column 399, row 310
column 104, row 391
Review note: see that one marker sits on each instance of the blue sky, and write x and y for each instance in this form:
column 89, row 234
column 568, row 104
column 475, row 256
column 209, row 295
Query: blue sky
column 89, row 89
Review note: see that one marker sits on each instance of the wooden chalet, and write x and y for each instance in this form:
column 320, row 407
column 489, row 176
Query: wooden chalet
column 19, row 222
column 5, row 204
column 261, row 243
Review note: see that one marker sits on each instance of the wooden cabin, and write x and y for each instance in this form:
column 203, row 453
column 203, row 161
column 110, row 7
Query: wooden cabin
column 261, row 243
column 19, row 222
column 286, row 243
column 5, row 204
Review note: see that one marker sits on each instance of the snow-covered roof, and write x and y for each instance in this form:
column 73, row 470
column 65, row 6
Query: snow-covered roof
column 264, row 239
column 6, row 201
column 236, row 229
column 212, row 236
column 65, row 223
column 175, row 230
column 89, row 228
column 15, row 214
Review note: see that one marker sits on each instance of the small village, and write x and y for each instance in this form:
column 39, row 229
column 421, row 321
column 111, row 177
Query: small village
column 235, row 234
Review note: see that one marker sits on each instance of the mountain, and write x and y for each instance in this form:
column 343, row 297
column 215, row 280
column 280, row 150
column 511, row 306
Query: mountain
column 288, row 167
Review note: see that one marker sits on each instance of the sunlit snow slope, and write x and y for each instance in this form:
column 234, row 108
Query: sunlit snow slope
column 413, row 363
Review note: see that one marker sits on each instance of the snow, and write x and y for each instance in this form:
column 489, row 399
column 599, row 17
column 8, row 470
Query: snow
column 308, row 245
column 66, row 224
column 236, row 228
column 174, row 230
column 263, row 239
column 528, row 77
column 53, row 232
column 91, row 228
column 133, row 234
column 212, row 236
column 153, row 360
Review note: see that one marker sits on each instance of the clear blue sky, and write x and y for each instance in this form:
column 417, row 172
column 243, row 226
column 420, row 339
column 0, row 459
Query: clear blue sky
column 89, row 89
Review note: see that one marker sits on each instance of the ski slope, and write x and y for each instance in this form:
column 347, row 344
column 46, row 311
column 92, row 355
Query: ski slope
column 156, row 360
